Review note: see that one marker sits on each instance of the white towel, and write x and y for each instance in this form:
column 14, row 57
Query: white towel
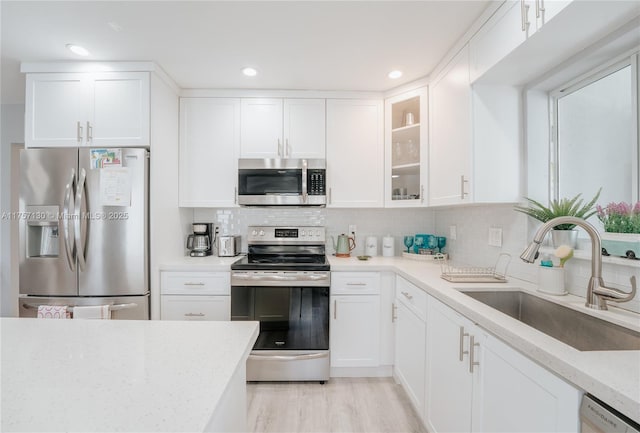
column 53, row 312
column 92, row 312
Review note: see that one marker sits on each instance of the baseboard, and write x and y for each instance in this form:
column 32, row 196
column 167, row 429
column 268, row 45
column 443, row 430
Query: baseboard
column 380, row 371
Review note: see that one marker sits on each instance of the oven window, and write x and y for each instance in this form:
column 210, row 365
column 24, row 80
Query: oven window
column 264, row 182
column 291, row 318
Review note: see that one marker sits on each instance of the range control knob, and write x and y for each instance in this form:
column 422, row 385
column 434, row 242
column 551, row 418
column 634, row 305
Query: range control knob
column 261, row 233
column 304, row 233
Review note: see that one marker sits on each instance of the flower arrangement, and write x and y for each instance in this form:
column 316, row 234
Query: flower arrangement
column 562, row 207
column 620, row 217
column 564, row 253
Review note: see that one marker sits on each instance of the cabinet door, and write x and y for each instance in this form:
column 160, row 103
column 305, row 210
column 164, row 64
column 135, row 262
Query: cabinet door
column 261, row 128
column 355, row 331
column 177, row 307
column 449, row 383
column 500, row 35
column 410, row 355
column 55, row 110
column 304, row 128
column 406, row 149
column 545, row 10
column 209, row 142
column 514, row 394
column 119, row 109
column 355, row 153
column 450, row 128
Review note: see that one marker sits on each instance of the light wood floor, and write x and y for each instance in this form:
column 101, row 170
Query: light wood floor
column 340, row 405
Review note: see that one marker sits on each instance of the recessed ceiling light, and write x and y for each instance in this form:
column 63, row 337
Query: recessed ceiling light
column 250, row 72
column 77, row 49
column 395, row 74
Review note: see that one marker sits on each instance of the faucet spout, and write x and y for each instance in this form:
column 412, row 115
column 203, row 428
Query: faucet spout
column 597, row 292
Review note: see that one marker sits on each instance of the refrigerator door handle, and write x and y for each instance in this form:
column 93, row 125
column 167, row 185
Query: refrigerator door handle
column 68, row 243
column 80, row 249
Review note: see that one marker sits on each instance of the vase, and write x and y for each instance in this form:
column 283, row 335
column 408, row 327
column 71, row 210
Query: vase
column 621, row 245
column 551, row 280
column 564, row 237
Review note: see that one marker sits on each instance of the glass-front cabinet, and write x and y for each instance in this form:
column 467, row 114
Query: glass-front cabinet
column 406, row 149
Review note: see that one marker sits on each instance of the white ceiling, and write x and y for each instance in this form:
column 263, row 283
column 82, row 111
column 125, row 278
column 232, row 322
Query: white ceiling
column 319, row 45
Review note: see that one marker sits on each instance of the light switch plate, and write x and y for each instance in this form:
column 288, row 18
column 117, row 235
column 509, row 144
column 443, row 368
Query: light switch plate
column 453, row 233
column 495, row 237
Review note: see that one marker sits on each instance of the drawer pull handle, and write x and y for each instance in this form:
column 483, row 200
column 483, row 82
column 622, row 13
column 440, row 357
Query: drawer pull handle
column 407, row 295
column 393, row 312
column 194, row 284
column 194, row 314
column 356, row 284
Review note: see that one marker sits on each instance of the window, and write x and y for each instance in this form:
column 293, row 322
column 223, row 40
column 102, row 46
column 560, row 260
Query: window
column 594, row 135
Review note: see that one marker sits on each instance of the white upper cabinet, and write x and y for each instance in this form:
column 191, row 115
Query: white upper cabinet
column 304, row 128
column 355, row 153
column 282, row 128
column 450, row 134
column 87, row 109
column 209, row 142
column 507, row 28
column 512, row 24
column 261, row 130
column 406, row 149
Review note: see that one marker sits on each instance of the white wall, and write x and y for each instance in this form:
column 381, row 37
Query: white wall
column 12, row 131
column 471, row 248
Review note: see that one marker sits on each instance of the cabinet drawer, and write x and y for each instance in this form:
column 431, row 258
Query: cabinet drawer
column 355, row 283
column 411, row 296
column 192, row 307
column 195, row 283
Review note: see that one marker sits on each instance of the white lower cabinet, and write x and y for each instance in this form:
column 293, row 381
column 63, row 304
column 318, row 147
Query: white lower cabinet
column 477, row 383
column 449, row 383
column 410, row 335
column 194, row 307
column 195, row 295
column 355, row 319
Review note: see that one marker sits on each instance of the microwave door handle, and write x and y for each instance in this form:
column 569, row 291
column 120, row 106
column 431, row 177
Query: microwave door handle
column 304, row 181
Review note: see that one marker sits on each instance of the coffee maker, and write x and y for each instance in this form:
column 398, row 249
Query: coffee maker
column 200, row 243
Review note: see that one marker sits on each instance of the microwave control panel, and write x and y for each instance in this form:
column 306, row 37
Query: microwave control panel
column 316, row 181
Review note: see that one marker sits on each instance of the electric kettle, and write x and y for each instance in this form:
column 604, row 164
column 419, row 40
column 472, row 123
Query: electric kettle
column 345, row 245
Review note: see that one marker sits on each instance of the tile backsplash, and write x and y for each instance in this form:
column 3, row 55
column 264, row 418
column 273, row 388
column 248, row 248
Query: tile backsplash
column 369, row 222
column 471, row 246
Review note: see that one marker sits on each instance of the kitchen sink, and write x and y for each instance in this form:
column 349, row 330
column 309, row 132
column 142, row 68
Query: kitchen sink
column 579, row 330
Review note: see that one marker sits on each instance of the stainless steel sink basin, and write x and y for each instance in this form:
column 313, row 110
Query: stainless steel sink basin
column 582, row 331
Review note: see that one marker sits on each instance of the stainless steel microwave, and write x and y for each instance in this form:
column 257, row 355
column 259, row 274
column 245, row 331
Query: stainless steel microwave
column 282, row 182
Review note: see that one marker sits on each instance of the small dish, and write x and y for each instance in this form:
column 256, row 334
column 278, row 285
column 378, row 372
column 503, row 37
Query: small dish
column 364, row 257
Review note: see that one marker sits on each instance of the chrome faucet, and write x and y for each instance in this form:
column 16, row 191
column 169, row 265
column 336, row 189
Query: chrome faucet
column 597, row 293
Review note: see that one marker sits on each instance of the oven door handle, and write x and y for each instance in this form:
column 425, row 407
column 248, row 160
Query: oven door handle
column 306, row 356
column 280, row 277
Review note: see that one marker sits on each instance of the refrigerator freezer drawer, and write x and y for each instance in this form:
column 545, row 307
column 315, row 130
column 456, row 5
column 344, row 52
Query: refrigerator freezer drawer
column 124, row 307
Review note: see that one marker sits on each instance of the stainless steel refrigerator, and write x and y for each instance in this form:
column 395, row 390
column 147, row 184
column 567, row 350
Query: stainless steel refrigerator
column 84, row 231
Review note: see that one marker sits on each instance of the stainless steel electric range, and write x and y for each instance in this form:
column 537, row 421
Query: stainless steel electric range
column 283, row 283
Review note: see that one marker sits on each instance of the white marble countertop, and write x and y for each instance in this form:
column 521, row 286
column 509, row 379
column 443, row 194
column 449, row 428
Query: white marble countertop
column 117, row 375
column 612, row 376
column 199, row 264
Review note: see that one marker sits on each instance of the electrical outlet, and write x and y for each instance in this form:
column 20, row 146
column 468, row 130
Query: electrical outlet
column 495, row 236
column 352, row 229
column 453, row 233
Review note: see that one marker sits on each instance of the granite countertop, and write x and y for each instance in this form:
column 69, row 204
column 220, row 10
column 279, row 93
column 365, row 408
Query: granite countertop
column 117, row 375
column 612, row 376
